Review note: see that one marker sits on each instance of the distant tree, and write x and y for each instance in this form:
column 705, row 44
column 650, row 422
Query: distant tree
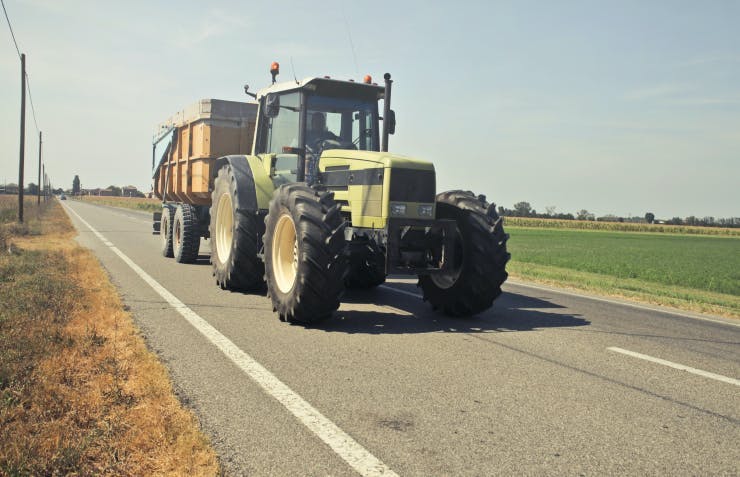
column 116, row 191
column 523, row 209
column 584, row 214
column 33, row 189
column 550, row 209
column 76, row 185
column 57, row 191
column 675, row 221
column 650, row 217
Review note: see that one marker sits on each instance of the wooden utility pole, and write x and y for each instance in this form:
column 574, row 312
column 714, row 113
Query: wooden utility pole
column 23, row 138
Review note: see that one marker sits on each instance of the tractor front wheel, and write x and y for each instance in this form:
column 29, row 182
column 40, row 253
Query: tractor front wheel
column 475, row 277
column 305, row 261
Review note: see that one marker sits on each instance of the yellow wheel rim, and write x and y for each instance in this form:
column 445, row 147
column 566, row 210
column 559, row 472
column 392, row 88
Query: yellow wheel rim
column 285, row 253
column 224, row 228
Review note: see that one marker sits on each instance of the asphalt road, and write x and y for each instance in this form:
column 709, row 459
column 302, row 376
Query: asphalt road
column 543, row 383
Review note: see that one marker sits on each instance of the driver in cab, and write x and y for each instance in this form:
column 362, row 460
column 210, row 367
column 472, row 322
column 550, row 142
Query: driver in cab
column 316, row 131
column 316, row 134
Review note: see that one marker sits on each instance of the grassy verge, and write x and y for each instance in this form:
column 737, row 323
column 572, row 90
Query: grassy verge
column 135, row 203
column 79, row 392
column 697, row 273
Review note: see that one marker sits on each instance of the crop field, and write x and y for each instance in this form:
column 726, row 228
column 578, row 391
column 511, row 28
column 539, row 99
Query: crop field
column 703, row 271
column 135, row 203
column 530, row 222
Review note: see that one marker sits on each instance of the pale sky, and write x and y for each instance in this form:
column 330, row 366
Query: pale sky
column 616, row 107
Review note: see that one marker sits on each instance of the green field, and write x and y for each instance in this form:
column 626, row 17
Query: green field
column 691, row 271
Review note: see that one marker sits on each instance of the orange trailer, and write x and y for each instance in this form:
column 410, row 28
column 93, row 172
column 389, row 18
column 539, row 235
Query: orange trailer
column 186, row 146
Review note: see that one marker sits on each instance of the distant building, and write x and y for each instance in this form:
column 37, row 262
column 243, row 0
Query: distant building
column 130, row 191
column 9, row 188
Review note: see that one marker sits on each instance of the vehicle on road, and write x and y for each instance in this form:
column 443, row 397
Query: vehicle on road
column 298, row 193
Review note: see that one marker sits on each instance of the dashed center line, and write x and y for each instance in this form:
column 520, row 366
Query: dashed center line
column 671, row 364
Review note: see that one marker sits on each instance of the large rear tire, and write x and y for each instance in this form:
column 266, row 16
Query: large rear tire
column 236, row 237
column 165, row 230
column 305, row 261
column 366, row 265
column 479, row 269
column 185, row 234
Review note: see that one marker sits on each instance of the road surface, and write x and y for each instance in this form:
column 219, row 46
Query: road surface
column 544, row 383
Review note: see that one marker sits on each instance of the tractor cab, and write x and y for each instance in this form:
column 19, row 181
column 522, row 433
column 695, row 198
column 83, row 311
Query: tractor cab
column 299, row 120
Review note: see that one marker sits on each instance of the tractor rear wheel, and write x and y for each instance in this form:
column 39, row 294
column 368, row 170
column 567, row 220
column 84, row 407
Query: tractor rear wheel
column 165, row 230
column 474, row 279
column 236, row 237
column 185, row 234
column 305, row 261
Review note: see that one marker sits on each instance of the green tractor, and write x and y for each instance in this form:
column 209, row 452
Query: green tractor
column 321, row 205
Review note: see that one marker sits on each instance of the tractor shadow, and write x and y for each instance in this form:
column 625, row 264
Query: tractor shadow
column 382, row 311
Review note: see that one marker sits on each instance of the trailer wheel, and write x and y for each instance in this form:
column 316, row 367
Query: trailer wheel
column 366, row 265
column 185, row 234
column 236, row 237
column 305, row 261
column 476, row 276
column 165, row 230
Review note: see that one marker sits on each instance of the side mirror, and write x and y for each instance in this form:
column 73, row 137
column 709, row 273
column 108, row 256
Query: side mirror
column 391, row 121
column 272, row 105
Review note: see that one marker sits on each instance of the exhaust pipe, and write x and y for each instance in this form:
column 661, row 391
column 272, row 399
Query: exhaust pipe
column 386, row 111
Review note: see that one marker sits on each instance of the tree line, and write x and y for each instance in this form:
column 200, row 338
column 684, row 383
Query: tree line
column 524, row 209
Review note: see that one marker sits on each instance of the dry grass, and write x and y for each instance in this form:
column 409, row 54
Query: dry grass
column 79, row 392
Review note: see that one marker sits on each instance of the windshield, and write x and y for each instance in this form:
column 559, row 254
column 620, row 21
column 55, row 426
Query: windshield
column 350, row 120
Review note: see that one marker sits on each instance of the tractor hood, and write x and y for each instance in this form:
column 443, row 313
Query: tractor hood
column 374, row 159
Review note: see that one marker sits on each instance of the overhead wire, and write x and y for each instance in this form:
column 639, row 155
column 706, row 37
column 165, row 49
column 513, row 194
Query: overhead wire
column 11, row 29
column 27, row 78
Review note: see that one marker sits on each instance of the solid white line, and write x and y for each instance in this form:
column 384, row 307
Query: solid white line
column 403, row 292
column 684, row 314
column 340, row 442
column 671, row 364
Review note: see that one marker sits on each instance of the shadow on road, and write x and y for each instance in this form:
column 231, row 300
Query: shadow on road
column 386, row 312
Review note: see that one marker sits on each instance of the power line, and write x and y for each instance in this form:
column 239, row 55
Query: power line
column 27, row 79
column 11, row 29
column 30, row 100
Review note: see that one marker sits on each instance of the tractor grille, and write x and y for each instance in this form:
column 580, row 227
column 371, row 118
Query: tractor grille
column 409, row 185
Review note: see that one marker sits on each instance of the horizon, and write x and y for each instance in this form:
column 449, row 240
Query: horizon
column 619, row 109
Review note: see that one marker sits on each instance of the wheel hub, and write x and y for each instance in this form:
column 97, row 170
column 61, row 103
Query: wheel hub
column 449, row 278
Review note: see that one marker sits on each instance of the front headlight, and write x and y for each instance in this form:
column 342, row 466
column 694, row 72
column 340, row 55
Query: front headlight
column 398, row 209
column 425, row 210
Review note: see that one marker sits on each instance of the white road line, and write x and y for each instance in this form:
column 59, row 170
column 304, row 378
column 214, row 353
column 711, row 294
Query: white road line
column 671, row 364
column 403, row 292
column 340, row 442
column 683, row 314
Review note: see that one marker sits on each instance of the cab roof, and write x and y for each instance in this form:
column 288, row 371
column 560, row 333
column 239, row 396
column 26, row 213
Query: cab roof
column 318, row 84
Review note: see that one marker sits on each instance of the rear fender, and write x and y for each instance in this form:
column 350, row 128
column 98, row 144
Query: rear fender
column 251, row 178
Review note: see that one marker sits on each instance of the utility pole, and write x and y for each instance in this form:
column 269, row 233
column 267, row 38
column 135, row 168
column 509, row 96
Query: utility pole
column 23, row 137
column 38, row 199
